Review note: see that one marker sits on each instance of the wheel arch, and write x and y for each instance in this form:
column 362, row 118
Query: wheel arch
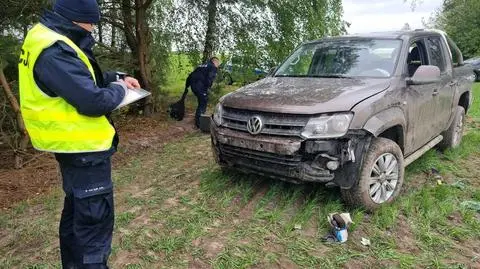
column 464, row 101
column 390, row 124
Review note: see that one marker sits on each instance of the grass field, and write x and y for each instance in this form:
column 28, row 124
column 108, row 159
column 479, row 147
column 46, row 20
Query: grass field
column 176, row 209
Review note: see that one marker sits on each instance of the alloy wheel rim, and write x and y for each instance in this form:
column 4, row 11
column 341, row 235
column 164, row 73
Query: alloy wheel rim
column 458, row 131
column 383, row 178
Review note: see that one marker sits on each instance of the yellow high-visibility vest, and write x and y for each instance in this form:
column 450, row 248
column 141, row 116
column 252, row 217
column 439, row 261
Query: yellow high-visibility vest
column 53, row 124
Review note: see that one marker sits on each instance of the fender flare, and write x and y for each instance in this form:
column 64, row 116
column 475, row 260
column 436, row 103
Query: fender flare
column 384, row 120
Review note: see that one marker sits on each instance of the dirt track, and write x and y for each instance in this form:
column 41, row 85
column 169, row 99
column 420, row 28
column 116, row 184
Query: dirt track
column 39, row 175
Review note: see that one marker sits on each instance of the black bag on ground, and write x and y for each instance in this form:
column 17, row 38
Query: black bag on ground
column 177, row 110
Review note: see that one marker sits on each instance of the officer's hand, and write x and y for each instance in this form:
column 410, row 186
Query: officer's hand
column 132, row 83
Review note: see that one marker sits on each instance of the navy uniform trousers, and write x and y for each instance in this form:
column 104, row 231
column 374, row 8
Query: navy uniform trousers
column 87, row 221
column 202, row 97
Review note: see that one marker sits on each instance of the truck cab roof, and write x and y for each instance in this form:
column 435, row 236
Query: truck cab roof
column 385, row 35
column 452, row 48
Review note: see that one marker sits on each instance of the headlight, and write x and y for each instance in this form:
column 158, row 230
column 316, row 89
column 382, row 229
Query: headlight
column 328, row 126
column 218, row 114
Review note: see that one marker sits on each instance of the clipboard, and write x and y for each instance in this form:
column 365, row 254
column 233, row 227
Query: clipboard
column 132, row 96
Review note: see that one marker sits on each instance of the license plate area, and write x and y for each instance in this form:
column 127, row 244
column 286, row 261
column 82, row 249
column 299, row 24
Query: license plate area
column 252, row 145
column 280, row 146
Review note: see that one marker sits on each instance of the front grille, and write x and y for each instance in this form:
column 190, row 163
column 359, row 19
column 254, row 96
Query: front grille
column 271, row 158
column 273, row 123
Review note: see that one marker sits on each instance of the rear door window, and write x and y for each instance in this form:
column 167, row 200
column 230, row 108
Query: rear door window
column 437, row 57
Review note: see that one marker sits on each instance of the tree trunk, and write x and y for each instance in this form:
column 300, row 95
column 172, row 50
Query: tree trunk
column 138, row 39
column 114, row 37
column 143, row 42
column 21, row 126
column 25, row 30
column 210, row 37
column 129, row 27
column 100, row 32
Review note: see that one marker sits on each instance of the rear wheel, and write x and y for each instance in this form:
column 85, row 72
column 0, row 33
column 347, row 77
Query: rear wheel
column 453, row 136
column 381, row 176
column 228, row 79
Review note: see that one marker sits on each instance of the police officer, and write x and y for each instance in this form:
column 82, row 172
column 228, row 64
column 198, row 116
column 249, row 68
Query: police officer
column 65, row 102
column 200, row 80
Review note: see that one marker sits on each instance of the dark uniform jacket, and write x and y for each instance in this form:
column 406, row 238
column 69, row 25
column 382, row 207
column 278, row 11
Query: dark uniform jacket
column 202, row 78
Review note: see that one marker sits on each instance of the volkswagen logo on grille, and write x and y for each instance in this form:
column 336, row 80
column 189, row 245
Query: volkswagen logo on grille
column 255, row 125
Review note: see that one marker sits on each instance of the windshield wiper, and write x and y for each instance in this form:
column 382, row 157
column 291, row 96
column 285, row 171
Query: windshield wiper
column 291, row 76
column 331, row 76
column 315, row 76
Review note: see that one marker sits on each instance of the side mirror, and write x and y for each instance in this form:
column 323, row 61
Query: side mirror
column 425, row 74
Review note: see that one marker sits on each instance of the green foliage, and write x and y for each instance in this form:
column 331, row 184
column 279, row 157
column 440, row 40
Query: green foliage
column 159, row 62
column 262, row 33
column 298, row 21
column 459, row 18
column 15, row 15
column 9, row 51
column 258, row 33
column 179, row 68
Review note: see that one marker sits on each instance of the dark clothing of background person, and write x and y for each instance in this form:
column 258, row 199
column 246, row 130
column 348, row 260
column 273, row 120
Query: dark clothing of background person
column 201, row 80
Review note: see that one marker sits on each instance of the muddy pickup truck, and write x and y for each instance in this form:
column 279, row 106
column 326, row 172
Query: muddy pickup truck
column 350, row 112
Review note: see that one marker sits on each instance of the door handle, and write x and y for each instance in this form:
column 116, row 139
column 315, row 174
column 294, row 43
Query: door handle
column 435, row 92
column 453, row 84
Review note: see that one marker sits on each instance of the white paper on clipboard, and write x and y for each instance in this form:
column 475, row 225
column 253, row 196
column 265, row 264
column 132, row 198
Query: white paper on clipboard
column 132, row 96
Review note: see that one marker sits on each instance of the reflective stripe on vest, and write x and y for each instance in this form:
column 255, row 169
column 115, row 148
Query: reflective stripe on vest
column 53, row 124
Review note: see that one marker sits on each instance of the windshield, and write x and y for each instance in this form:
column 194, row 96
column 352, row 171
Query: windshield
column 343, row 58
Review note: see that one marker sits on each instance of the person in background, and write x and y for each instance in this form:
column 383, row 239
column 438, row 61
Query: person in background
column 66, row 101
column 201, row 80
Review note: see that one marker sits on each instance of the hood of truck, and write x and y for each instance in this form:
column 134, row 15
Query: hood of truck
column 295, row 95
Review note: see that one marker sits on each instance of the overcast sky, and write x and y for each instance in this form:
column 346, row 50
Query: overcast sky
column 385, row 15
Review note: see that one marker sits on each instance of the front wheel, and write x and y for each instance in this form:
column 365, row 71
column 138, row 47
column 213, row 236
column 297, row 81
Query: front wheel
column 381, row 176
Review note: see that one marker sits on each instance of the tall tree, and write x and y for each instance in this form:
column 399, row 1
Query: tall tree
column 459, row 18
column 210, row 36
column 139, row 38
column 134, row 20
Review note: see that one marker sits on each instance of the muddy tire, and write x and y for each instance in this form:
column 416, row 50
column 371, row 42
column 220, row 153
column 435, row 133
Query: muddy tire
column 381, row 176
column 453, row 136
column 228, row 79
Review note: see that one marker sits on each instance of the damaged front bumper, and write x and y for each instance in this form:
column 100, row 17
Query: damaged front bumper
column 334, row 162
